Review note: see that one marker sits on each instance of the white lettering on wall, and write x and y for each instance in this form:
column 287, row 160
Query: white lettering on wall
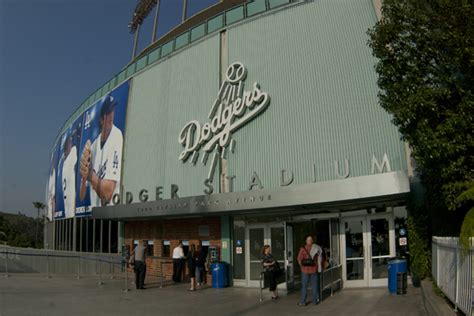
column 232, row 109
column 380, row 167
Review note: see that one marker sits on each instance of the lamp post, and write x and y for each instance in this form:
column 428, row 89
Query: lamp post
column 143, row 8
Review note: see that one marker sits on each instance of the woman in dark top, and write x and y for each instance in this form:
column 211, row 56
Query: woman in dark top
column 200, row 264
column 191, row 258
column 270, row 267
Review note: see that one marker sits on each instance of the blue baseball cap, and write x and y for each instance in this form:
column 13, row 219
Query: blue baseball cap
column 66, row 137
column 108, row 105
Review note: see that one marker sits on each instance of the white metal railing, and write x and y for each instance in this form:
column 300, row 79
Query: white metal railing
column 331, row 278
column 15, row 260
column 453, row 271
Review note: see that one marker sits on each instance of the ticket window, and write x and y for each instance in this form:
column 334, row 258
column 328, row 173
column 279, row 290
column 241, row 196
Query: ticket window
column 185, row 247
column 165, row 252
column 150, row 248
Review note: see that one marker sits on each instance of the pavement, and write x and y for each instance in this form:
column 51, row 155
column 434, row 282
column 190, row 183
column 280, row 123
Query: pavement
column 434, row 304
column 25, row 294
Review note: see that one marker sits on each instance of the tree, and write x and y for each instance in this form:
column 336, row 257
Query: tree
column 425, row 52
column 467, row 229
column 4, row 229
column 39, row 206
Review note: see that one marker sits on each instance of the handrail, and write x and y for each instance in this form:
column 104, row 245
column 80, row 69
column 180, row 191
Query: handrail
column 98, row 258
column 330, row 270
column 261, row 287
column 159, row 258
column 63, row 256
column 334, row 280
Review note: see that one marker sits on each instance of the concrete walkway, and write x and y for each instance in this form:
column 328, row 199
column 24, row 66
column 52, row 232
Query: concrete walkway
column 35, row 295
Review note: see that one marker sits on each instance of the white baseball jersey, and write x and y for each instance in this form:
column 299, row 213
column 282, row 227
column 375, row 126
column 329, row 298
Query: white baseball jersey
column 69, row 183
column 51, row 192
column 106, row 162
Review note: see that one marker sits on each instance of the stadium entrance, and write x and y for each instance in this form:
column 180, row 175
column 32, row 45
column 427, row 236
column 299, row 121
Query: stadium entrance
column 357, row 245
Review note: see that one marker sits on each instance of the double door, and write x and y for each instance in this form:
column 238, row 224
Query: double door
column 258, row 235
column 369, row 243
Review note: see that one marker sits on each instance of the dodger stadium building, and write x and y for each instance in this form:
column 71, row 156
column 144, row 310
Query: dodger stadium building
column 250, row 123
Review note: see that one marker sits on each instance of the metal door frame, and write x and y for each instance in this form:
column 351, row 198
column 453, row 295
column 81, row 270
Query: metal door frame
column 289, row 257
column 368, row 281
column 266, row 240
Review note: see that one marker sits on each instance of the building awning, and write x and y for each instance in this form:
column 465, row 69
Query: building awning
column 383, row 186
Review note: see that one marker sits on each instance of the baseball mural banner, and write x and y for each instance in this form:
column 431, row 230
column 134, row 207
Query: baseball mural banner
column 51, row 187
column 99, row 162
column 66, row 171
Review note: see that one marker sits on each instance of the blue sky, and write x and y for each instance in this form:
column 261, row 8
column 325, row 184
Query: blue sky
column 53, row 54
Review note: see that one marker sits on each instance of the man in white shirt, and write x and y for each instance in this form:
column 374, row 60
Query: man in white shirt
column 101, row 161
column 178, row 262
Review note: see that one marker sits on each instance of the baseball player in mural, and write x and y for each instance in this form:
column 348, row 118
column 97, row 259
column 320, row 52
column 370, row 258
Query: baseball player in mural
column 68, row 175
column 52, row 190
column 101, row 161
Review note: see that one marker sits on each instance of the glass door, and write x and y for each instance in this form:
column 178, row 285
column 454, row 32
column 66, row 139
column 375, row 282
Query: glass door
column 255, row 241
column 381, row 248
column 290, row 257
column 258, row 236
column 355, row 263
column 369, row 243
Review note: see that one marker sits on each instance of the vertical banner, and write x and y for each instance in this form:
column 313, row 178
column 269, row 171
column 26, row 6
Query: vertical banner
column 100, row 154
column 66, row 171
column 51, row 187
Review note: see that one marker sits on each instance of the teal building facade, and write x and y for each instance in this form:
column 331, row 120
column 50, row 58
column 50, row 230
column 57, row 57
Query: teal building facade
column 258, row 125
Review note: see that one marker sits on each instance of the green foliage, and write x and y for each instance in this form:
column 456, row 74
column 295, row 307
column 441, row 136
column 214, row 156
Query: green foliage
column 425, row 51
column 437, row 290
column 39, row 205
column 419, row 255
column 19, row 230
column 467, row 231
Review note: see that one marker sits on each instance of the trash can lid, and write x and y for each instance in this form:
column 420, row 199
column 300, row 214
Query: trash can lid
column 397, row 260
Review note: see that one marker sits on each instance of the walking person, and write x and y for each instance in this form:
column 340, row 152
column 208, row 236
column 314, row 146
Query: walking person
column 178, row 262
column 200, row 265
column 138, row 259
column 191, row 259
column 271, row 268
column 309, row 259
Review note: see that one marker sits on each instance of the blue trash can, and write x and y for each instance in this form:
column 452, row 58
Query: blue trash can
column 395, row 266
column 220, row 275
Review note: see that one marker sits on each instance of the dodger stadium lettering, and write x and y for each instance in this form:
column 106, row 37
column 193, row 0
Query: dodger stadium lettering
column 232, row 109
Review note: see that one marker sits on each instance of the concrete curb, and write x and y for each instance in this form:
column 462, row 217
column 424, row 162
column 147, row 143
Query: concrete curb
column 434, row 305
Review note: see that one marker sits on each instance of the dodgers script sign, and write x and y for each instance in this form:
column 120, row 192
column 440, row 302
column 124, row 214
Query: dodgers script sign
column 233, row 108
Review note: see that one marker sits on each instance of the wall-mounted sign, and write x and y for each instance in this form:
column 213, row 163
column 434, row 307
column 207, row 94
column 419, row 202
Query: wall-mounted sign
column 403, row 241
column 233, row 108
